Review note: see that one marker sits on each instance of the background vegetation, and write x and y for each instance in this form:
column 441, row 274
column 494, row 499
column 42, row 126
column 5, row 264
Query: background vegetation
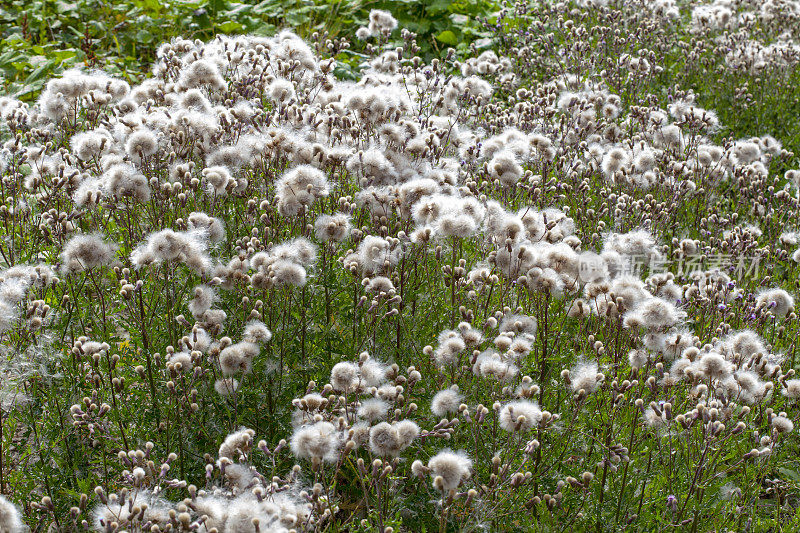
column 42, row 37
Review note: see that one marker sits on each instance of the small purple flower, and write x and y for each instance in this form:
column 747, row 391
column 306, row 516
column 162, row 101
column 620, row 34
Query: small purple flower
column 672, row 503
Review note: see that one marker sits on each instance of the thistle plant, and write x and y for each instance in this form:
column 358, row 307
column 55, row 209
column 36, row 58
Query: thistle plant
column 544, row 287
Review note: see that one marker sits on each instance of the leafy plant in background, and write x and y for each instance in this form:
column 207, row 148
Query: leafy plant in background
column 43, row 37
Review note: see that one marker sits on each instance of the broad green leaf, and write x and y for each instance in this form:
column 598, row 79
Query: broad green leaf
column 229, row 27
column 447, row 37
column 265, row 30
column 40, row 72
column 144, row 36
column 437, row 6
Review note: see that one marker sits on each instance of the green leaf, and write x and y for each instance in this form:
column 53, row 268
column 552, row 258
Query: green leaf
column 144, row 36
column 202, row 20
column 229, row 27
column 40, row 72
column 297, row 18
column 215, row 6
column 66, row 7
column 153, row 5
column 437, row 6
column 447, row 37
column 265, row 30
